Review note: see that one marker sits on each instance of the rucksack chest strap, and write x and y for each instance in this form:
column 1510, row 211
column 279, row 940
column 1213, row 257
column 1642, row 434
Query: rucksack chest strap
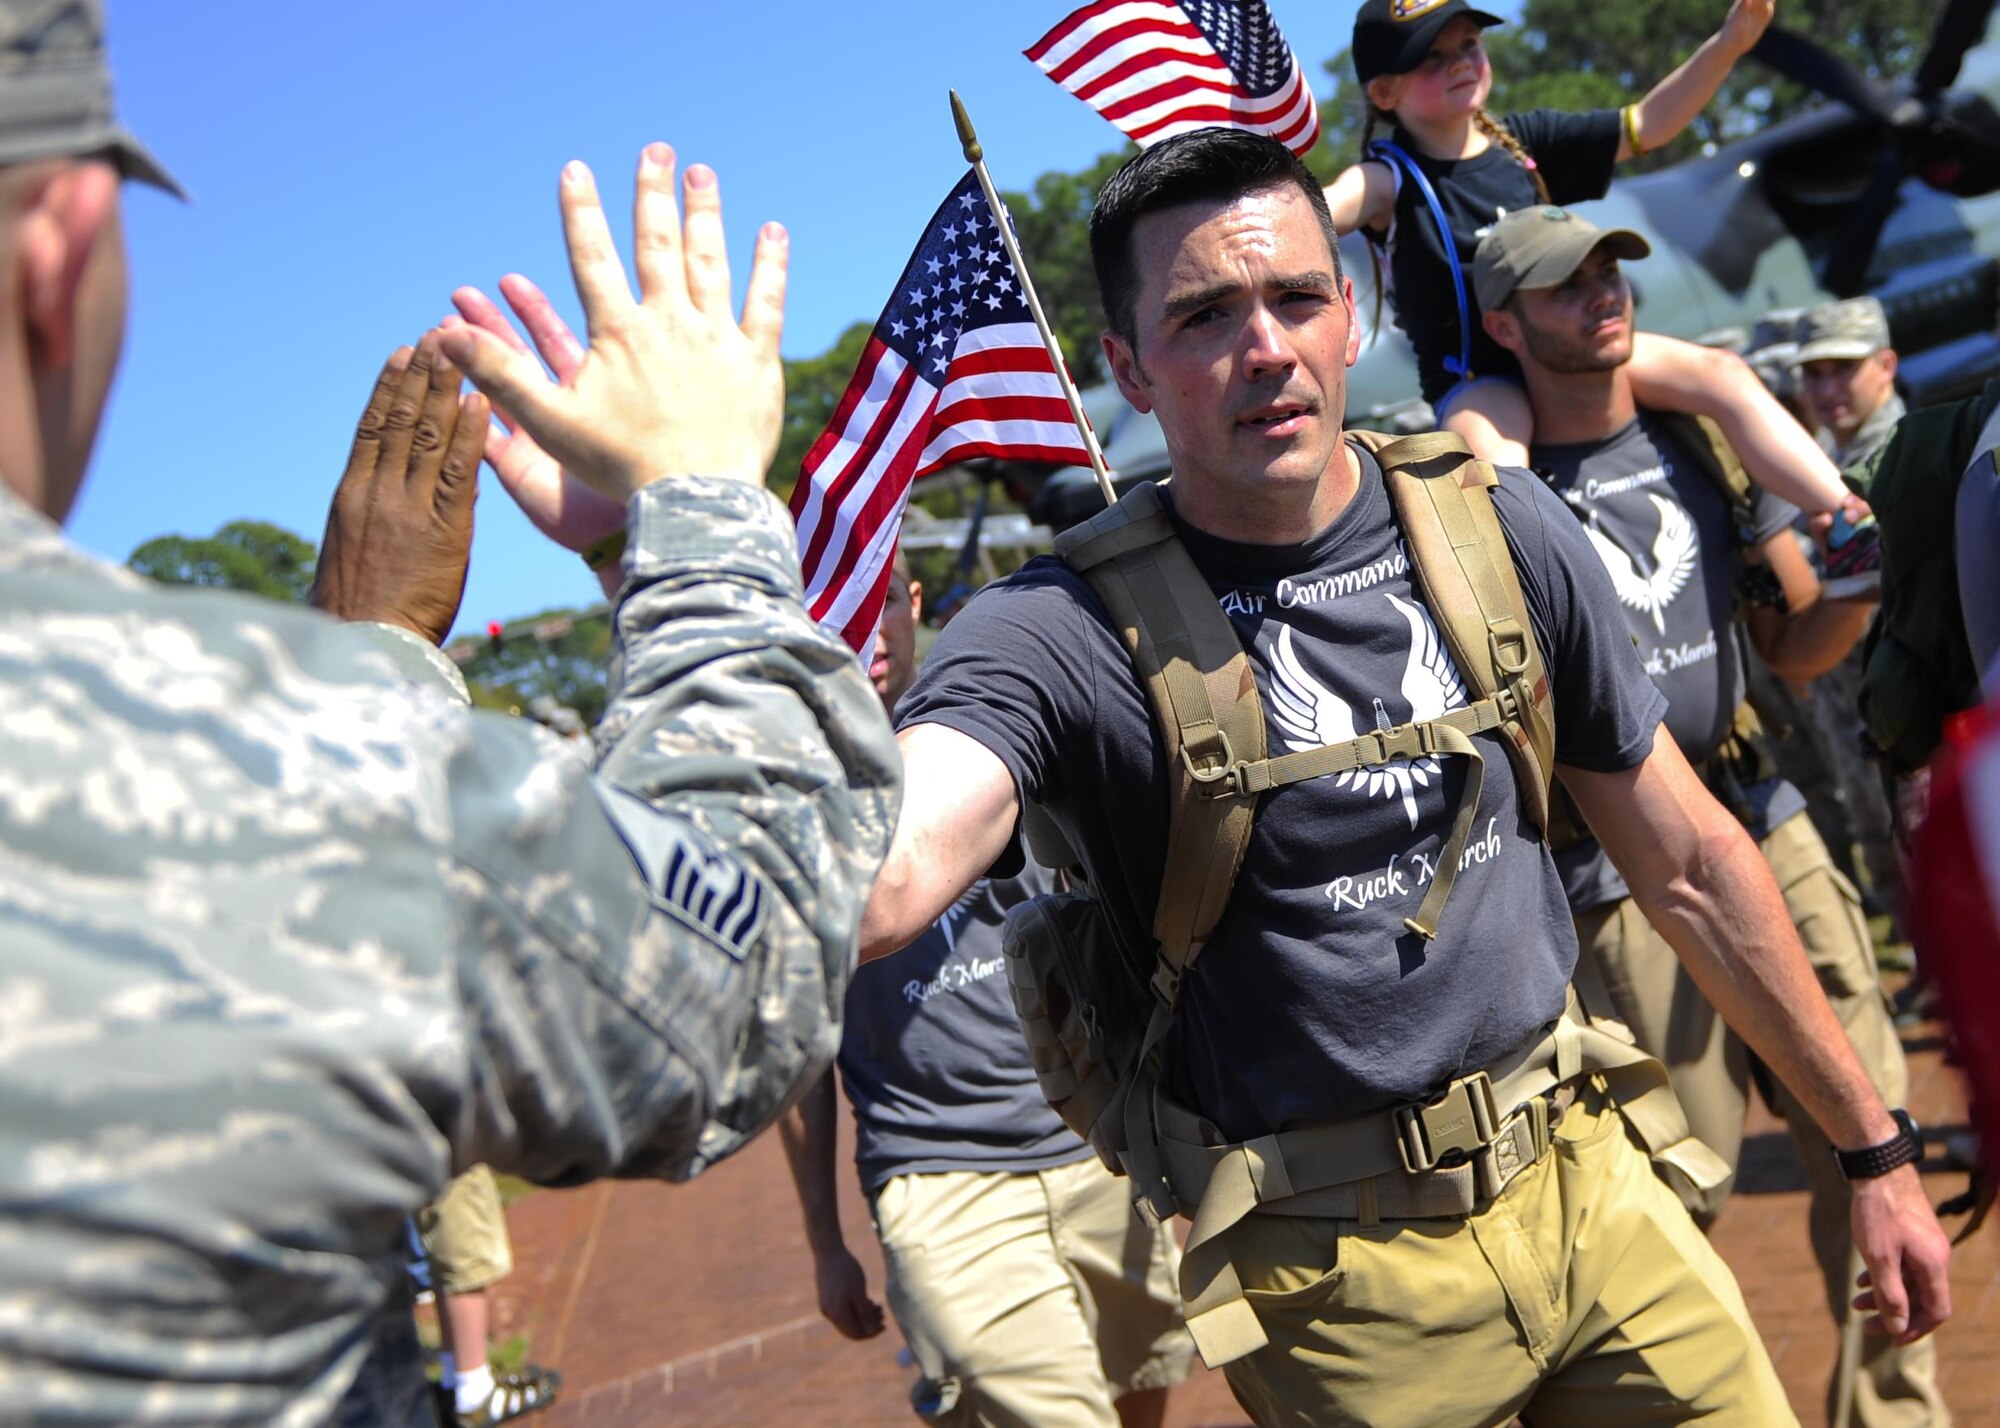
column 1447, row 734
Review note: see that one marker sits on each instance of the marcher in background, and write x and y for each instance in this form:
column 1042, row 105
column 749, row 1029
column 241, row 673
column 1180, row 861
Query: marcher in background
column 1344, row 1272
column 1688, row 542
column 293, row 934
column 1817, row 738
column 1977, row 538
column 1028, row 1289
column 1450, row 169
column 1773, row 354
column 465, row 1240
column 1847, row 377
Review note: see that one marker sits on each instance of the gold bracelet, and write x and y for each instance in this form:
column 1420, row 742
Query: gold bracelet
column 1638, row 147
column 600, row 553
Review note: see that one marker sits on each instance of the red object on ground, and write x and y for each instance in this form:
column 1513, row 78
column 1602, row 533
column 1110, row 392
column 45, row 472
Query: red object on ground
column 1955, row 904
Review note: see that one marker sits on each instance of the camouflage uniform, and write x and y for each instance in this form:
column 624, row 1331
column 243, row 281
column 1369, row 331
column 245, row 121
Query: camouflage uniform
column 1821, row 747
column 291, row 935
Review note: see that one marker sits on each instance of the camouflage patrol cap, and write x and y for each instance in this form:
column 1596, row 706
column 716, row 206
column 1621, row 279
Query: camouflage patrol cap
column 1393, row 36
column 1773, row 350
column 55, row 90
column 1539, row 247
column 1856, row 327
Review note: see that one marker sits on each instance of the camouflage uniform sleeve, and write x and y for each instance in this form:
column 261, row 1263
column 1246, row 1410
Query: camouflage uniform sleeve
column 653, row 956
column 416, row 658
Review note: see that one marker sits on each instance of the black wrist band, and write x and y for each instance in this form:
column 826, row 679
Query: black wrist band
column 1906, row 1147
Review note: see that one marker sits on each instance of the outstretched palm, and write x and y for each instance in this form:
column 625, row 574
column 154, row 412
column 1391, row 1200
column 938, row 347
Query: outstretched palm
column 562, row 507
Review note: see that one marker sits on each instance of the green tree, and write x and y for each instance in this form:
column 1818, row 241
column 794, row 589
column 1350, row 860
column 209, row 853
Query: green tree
column 252, row 556
column 1586, row 54
column 1052, row 222
column 559, row 654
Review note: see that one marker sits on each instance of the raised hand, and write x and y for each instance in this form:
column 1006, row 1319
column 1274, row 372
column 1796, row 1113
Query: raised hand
column 563, row 508
column 1746, row 23
column 399, row 533
column 670, row 384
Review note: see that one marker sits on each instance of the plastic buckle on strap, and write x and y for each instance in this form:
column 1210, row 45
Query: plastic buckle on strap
column 1218, row 774
column 1450, row 1129
column 1154, row 1205
column 1405, row 741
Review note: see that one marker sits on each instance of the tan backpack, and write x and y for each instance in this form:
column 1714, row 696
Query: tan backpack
column 1082, row 997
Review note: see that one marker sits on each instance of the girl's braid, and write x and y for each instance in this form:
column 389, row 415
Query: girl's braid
column 1500, row 134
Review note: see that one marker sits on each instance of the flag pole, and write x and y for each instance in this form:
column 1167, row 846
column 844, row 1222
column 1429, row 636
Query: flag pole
column 976, row 156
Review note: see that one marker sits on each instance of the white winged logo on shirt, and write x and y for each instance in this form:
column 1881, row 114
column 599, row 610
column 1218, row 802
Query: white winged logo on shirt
column 1310, row 714
column 1675, row 554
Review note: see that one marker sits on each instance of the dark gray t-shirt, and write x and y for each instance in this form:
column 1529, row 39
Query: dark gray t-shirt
column 1312, row 1003
column 932, row 1054
column 1666, row 537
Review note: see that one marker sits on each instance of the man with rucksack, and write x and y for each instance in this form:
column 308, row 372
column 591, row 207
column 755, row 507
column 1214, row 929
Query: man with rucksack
column 1359, row 1071
column 1030, row 1294
column 1689, row 544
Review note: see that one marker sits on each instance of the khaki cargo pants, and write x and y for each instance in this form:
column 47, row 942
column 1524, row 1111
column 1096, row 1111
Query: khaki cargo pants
column 1627, row 970
column 1032, row 1299
column 1582, row 1297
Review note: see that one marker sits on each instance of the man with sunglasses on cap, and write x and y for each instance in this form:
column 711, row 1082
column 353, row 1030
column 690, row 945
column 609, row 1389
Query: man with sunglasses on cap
column 287, row 933
column 1689, row 547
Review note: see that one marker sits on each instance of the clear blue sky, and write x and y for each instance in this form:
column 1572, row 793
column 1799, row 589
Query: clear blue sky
column 351, row 164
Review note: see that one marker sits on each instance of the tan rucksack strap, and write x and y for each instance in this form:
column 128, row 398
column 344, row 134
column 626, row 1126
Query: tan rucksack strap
column 1204, row 696
column 1709, row 449
column 1460, row 559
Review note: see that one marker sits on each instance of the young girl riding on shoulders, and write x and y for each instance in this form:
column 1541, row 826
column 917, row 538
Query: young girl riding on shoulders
column 1427, row 77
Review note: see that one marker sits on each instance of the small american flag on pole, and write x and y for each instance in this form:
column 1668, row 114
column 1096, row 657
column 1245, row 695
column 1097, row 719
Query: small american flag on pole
column 955, row 368
column 1157, row 70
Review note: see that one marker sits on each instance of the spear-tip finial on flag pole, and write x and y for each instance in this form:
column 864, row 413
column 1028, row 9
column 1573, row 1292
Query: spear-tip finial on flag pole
column 976, row 156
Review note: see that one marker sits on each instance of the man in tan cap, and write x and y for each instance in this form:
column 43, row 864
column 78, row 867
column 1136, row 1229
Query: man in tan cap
column 1688, row 542
column 1847, row 376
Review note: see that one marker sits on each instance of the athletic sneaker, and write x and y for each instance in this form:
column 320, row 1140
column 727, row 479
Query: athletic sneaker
column 1853, row 559
column 514, row 1394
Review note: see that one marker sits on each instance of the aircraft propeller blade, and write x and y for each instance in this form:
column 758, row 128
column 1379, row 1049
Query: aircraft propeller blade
column 1846, row 269
column 1805, row 62
column 1960, row 28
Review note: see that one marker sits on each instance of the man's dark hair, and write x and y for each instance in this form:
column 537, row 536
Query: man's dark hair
column 1206, row 166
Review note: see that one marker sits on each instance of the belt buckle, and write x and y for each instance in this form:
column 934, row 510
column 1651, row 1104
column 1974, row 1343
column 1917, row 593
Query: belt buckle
column 1450, row 1128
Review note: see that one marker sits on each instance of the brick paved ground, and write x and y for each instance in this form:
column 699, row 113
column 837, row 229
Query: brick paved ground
column 681, row 1305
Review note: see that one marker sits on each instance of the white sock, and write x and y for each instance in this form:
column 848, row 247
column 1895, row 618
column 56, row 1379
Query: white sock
column 475, row 1386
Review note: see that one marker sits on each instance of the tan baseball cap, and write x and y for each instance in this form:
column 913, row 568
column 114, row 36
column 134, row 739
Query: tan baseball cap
column 1539, row 247
column 1856, row 327
column 55, row 90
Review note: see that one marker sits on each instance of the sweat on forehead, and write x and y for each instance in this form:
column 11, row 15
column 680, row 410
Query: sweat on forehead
column 1209, row 166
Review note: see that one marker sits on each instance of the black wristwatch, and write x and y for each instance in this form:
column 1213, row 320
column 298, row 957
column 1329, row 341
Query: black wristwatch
column 1905, row 1147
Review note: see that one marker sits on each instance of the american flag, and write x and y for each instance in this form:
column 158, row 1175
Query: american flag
column 1157, row 70
column 955, row 368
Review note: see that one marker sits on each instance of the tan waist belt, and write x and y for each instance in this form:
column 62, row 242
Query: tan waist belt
column 1445, row 1158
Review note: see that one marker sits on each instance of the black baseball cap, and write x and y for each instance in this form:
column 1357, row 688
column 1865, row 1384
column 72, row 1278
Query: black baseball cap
column 1393, row 36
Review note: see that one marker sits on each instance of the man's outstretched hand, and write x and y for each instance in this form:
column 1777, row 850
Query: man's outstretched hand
column 400, row 531
column 562, row 508
column 670, row 384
